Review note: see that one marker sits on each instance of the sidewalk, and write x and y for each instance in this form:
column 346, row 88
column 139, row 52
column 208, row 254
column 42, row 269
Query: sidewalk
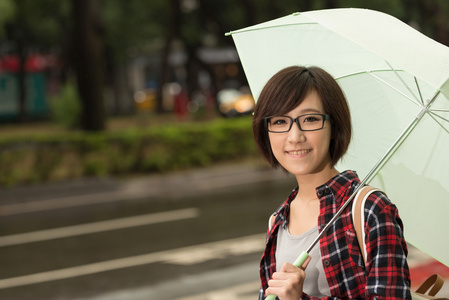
column 154, row 187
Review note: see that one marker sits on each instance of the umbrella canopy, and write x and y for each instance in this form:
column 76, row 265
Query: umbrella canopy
column 396, row 81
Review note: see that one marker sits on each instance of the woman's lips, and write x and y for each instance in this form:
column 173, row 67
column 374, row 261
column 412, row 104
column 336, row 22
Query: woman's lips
column 299, row 152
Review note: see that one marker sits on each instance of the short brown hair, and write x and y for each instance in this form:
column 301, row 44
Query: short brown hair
column 286, row 90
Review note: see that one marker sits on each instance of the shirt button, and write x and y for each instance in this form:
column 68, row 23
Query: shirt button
column 327, row 190
column 320, row 193
column 327, row 262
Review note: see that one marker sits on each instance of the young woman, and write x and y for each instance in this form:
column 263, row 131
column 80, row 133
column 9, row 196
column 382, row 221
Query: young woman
column 302, row 124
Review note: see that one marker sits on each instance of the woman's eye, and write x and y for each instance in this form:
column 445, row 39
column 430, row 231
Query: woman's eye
column 278, row 122
column 311, row 119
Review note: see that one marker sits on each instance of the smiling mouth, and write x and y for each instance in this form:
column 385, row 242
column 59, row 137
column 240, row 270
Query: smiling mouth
column 299, row 152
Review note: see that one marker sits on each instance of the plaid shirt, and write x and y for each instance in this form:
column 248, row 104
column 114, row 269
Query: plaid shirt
column 386, row 275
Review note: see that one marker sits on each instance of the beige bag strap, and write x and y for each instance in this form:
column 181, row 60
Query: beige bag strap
column 434, row 283
column 271, row 221
column 358, row 216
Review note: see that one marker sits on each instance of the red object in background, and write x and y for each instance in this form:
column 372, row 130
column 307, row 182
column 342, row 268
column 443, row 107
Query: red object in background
column 181, row 102
column 9, row 63
column 33, row 63
column 36, row 63
column 420, row 273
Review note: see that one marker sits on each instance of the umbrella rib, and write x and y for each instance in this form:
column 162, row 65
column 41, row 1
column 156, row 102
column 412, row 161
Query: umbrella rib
column 435, row 116
column 358, row 73
column 383, row 81
column 419, row 90
column 394, row 88
column 440, row 110
column 406, row 86
column 267, row 27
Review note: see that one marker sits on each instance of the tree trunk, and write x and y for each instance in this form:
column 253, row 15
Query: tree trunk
column 122, row 92
column 88, row 62
column 433, row 14
column 172, row 32
column 22, row 79
column 20, row 33
column 250, row 14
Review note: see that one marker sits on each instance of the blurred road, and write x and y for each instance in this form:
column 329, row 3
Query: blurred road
column 190, row 235
column 165, row 237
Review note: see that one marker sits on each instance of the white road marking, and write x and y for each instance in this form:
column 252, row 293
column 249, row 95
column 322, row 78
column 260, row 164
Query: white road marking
column 66, row 202
column 201, row 253
column 63, row 232
column 241, row 281
column 147, row 187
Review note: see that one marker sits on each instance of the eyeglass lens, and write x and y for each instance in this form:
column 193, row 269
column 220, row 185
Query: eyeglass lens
column 306, row 123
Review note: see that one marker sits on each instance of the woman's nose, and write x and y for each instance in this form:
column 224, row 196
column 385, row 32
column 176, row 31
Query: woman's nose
column 295, row 135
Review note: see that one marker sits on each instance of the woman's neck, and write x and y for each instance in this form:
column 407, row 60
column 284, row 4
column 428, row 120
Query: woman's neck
column 308, row 183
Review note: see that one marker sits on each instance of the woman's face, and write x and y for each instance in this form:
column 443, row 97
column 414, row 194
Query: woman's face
column 303, row 152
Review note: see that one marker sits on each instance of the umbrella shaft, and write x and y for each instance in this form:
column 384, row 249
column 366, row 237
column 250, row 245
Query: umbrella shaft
column 400, row 140
column 334, row 218
column 376, row 168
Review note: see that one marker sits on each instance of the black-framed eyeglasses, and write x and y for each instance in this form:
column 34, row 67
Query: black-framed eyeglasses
column 308, row 122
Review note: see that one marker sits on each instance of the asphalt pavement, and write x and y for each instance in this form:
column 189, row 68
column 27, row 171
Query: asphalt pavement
column 137, row 237
column 174, row 186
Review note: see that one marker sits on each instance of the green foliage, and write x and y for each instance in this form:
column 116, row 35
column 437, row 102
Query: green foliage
column 39, row 22
column 393, row 7
column 7, row 12
column 66, row 107
column 156, row 149
column 134, row 24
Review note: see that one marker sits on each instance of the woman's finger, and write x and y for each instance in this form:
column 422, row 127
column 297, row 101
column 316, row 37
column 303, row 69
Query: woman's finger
column 306, row 263
column 282, row 275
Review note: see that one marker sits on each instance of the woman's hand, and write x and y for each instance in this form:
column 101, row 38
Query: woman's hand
column 288, row 282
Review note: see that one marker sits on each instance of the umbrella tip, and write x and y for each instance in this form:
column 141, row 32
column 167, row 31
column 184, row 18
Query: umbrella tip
column 228, row 33
column 296, row 13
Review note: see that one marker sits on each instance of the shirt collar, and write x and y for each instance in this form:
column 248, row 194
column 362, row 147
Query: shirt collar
column 284, row 210
column 341, row 186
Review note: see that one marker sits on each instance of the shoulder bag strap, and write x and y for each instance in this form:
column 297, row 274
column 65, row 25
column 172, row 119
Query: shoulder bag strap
column 271, row 221
column 358, row 216
column 434, row 282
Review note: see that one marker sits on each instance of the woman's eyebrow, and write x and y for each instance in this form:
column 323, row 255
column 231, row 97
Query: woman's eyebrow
column 310, row 110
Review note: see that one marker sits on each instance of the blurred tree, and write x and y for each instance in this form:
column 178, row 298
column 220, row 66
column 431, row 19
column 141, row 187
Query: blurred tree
column 33, row 26
column 7, row 12
column 171, row 32
column 199, row 24
column 88, row 57
column 42, row 26
column 133, row 28
column 109, row 34
column 430, row 17
column 21, row 34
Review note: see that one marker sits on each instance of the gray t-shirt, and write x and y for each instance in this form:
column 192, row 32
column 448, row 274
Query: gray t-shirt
column 289, row 247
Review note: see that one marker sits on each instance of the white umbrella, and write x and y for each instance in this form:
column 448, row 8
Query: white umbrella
column 397, row 84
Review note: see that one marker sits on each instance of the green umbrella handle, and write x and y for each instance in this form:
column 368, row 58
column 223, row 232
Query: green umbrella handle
column 298, row 263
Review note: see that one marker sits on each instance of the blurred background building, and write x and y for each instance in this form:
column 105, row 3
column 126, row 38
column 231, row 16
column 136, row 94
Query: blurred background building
column 146, row 56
